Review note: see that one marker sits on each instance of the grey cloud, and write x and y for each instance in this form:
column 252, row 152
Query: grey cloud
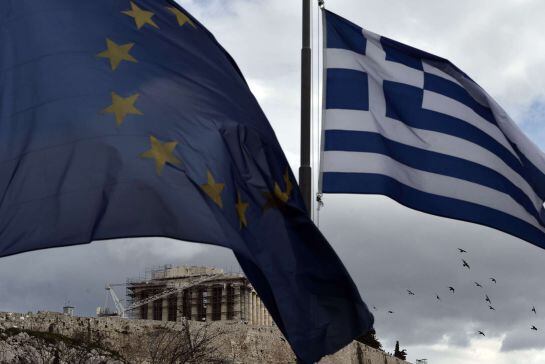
column 522, row 338
column 496, row 43
column 394, row 249
column 45, row 280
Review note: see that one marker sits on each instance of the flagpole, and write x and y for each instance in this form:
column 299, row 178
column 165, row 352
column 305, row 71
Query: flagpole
column 305, row 171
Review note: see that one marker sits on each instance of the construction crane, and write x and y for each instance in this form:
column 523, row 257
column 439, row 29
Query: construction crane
column 117, row 303
column 121, row 311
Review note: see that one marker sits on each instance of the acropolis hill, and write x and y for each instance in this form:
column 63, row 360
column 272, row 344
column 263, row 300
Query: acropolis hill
column 117, row 340
column 172, row 315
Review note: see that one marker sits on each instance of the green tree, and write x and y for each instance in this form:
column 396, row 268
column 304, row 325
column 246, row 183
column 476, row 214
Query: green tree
column 370, row 339
column 400, row 354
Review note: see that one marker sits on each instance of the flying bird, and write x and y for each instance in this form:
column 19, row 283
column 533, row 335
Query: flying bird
column 462, row 250
column 478, row 285
column 493, row 279
column 374, row 308
column 451, row 289
column 492, row 308
column 465, row 264
column 534, row 310
column 488, row 299
column 390, row 311
column 534, row 328
column 410, row 292
column 437, row 296
column 481, row 333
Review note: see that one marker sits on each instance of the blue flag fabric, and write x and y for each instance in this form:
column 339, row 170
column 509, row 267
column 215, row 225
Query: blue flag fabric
column 128, row 119
column 412, row 126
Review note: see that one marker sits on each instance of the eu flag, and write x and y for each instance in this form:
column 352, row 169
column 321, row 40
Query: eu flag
column 128, row 119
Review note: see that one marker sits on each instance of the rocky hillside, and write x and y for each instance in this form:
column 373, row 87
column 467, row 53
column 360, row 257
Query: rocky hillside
column 52, row 338
column 22, row 346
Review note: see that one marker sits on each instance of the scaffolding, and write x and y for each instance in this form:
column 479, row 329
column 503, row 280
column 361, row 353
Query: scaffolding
column 196, row 293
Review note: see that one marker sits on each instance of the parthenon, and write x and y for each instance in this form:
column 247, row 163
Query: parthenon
column 200, row 294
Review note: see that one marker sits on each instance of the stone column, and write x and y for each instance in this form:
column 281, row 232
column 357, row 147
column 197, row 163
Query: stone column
column 259, row 312
column 193, row 303
column 244, row 297
column 209, row 307
column 164, row 317
column 256, row 309
column 236, row 302
column 242, row 303
column 179, row 302
column 140, row 309
column 247, row 294
column 224, row 302
column 150, row 310
column 253, row 308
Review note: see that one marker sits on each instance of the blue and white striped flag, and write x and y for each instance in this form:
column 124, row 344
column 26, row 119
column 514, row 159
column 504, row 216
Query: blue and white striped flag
column 412, row 126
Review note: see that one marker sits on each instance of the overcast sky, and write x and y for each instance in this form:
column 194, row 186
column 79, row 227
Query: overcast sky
column 386, row 247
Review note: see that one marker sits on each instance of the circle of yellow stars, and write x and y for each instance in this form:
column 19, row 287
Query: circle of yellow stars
column 162, row 152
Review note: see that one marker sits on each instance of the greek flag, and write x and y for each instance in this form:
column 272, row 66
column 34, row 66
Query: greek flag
column 412, row 126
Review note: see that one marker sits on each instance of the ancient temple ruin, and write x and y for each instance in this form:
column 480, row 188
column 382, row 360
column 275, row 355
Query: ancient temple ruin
column 195, row 293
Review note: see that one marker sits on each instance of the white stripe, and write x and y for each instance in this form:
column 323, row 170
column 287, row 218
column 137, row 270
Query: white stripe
column 427, row 140
column 445, row 105
column 376, row 68
column 337, row 119
column 437, row 72
column 512, row 131
column 371, row 37
column 508, row 126
column 437, row 184
column 373, row 48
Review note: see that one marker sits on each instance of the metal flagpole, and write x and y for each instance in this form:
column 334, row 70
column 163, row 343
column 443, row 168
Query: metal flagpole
column 305, row 170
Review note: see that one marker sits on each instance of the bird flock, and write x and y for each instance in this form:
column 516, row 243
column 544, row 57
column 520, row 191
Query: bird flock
column 487, row 299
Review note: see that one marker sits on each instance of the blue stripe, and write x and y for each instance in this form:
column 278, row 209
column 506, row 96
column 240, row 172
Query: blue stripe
column 432, row 204
column 429, row 120
column 347, row 89
column 447, row 88
column 344, row 35
column 533, row 175
column 404, row 104
column 394, row 55
column 415, row 53
column 357, row 141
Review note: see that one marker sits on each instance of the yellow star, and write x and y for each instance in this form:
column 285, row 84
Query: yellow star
column 284, row 196
column 278, row 198
column 122, row 107
column 213, row 189
column 182, row 18
column 117, row 53
column 241, row 208
column 141, row 17
column 163, row 153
